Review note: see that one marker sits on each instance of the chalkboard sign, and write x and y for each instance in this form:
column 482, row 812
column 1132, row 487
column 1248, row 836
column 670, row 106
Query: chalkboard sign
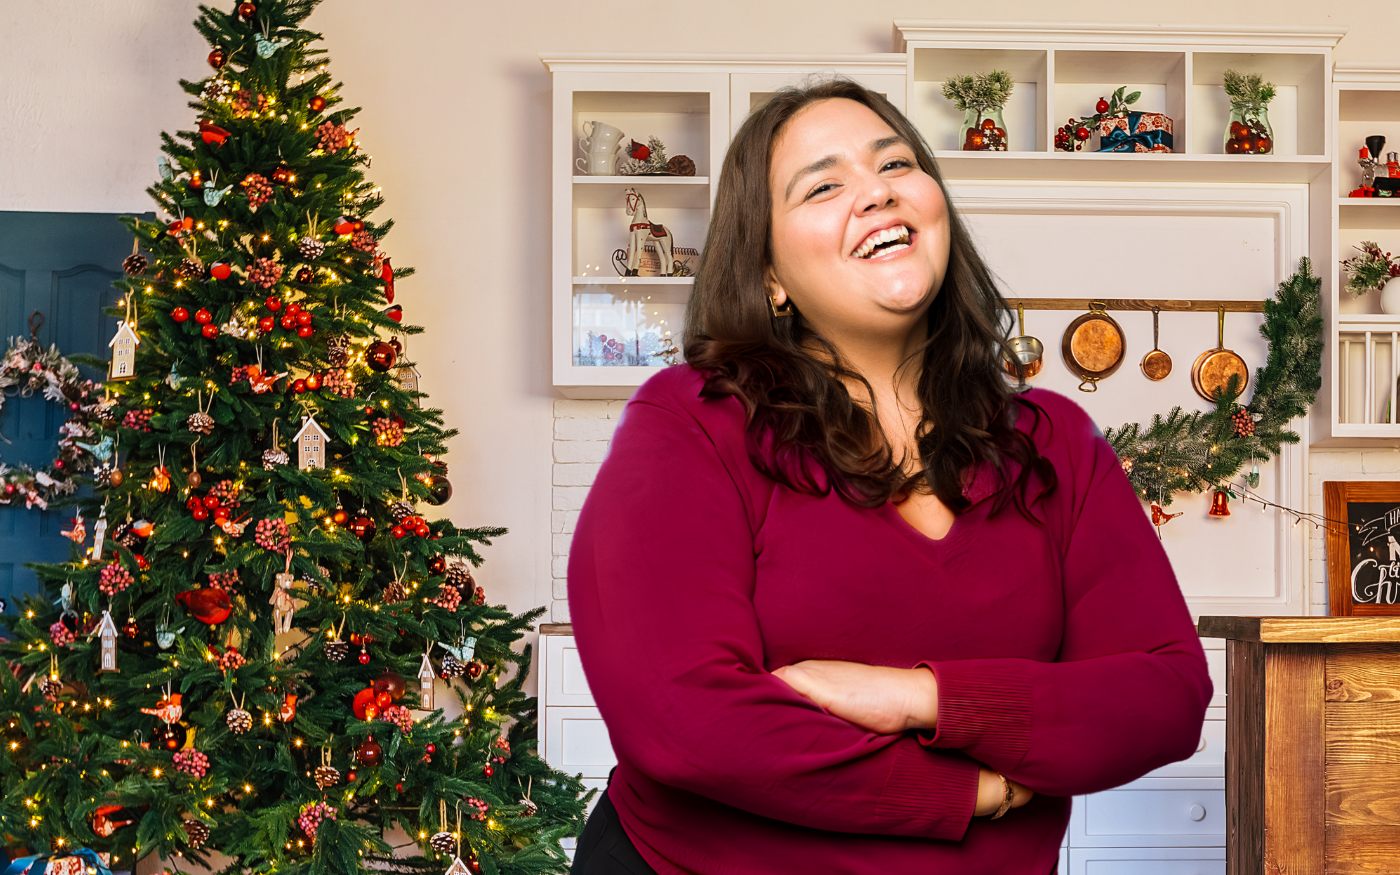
column 1363, row 547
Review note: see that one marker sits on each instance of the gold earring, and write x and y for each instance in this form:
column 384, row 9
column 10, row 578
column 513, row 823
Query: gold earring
column 780, row 312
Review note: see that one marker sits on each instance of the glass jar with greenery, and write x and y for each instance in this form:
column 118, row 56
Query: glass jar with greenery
column 1249, row 132
column 981, row 97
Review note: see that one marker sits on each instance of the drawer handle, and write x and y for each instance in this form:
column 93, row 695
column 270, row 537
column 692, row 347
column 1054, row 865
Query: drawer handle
column 1197, row 813
column 1202, row 746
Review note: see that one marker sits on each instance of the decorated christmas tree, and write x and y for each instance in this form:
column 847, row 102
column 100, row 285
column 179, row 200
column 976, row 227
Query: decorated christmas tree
column 266, row 649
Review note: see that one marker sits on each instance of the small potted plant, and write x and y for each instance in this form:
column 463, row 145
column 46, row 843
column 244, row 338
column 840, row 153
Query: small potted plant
column 1374, row 270
column 1249, row 132
column 981, row 98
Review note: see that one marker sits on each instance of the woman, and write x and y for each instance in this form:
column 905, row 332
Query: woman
column 845, row 600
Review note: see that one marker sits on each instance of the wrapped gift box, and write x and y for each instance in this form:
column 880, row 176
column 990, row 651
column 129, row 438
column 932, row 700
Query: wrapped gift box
column 1135, row 132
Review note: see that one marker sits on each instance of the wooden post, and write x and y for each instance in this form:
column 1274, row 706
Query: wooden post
column 1312, row 756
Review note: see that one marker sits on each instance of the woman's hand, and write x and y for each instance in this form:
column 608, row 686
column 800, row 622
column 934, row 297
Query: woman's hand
column 990, row 794
column 874, row 697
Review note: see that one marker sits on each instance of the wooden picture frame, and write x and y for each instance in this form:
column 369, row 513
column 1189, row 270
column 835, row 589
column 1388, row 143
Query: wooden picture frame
column 1363, row 547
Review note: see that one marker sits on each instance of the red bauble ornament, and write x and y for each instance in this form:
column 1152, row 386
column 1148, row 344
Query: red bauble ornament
column 179, row 314
column 392, row 683
column 488, row 770
column 363, row 698
column 294, row 308
column 288, row 321
column 364, row 657
column 1081, row 134
column 437, row 564
column 217, row 59
column 220, row 270
column 430, row 747
column 305, row 275
column 398, row 532
column 298, row 386
column 380, row 356
column 305, row 331
column 200, row 514
column 313, row 381
column 340, row 517
column 210, row 331
column 1101, row 106
column 383, row 700
column 316, row 104
column 362, row 527
column 209, row 605
column 203, row 316
column 369, row 753
column 274, row 303
column 246, row 11
column 194, row 502
column 303, row 317
column 266, row 324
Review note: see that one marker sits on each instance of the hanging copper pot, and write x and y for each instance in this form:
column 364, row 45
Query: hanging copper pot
column 1156, row 365
column 1026, row 350
column 1211, row 373
column 1093, row 346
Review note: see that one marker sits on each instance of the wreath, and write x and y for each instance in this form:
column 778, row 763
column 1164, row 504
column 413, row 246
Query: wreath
column 1194, row 452
column 28, row 368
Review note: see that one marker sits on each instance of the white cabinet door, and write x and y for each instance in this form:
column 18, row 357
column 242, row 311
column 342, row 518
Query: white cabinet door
column 1152, row 812
column 561, row 676
column 1145, row 861
column 576, row 742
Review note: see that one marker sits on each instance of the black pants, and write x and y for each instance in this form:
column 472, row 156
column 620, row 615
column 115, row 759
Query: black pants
column 604, row 848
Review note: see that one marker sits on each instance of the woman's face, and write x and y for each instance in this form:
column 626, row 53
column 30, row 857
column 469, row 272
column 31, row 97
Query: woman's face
column 859, row 232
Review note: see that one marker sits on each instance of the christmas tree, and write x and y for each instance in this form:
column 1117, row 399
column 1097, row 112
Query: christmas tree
column 244, row 664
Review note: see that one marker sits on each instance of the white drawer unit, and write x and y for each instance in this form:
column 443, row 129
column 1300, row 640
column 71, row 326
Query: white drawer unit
column 1152, row 812
column 1209, row 759
column 1144, row 861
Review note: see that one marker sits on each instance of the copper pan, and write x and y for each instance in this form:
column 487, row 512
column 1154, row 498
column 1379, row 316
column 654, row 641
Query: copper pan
column 1027, row 352
column 1211, row 373
column 1093, row 346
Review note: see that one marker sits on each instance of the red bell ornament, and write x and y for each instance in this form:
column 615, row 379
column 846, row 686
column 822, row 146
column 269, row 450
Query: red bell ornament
column 1220, row 503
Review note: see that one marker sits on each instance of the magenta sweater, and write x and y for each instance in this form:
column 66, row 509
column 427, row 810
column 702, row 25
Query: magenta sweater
column 1065, row 655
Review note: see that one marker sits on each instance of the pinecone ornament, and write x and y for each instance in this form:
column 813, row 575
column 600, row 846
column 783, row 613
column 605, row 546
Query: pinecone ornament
column 311, row 248
column 239, row 721
column 200, row 423
column 326, row 776
column 459, row 575
column 452, row 667
column 1243, row 423
column 190, row 268
column 394, row 593
column 528, row 808
column 401, row 510
column 680, row 165
column 274, row 457
column 336, row 650
column 135, row 264
column 442, row 842
column 50, row 686
column 198, row 833
column 338, row 351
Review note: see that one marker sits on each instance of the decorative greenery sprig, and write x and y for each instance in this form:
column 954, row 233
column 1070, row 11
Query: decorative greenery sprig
column 1248, row 91
column 1193, row 452
column 1370, row 270
column 979, row 91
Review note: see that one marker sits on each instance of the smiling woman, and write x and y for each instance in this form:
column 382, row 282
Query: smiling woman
column 853, row 654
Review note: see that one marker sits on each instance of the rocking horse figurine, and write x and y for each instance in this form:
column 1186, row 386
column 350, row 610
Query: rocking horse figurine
column 643, row 231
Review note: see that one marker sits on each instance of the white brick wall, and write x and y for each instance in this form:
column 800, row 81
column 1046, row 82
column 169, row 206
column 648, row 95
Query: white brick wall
column 582, row 430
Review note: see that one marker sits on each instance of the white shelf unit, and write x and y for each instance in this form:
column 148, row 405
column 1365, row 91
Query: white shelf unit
column 603, row 323
column 1360, row 364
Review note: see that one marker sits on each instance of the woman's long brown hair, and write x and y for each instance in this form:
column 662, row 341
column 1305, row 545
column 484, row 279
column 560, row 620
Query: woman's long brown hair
column 798, row 406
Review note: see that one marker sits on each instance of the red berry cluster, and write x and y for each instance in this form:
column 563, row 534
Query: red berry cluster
column 311, row 815
column 479, row 597
column 224, row 580
column 245, row 103
column 114, row 578
column 502, row 749
column 294, row 319
column 411, row 525
column 399, row 716
column 449, row 597
column 191, row 762
column 230, row 659
column 258, row 188
column 138, row 420
column 387, row 432
column 1071, row 137
column 478, row 807
column 363, row 241
column 331, row 137
column 337, row 382
column 219, row 503
column 1243, row 423
column 272, row 534
column 265, row 273
column 62, row 636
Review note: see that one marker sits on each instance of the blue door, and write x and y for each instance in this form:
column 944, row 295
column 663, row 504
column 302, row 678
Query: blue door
column 61, row 265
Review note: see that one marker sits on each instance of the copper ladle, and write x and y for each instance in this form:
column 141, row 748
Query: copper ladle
column 1156, row 365
column 1026, row 352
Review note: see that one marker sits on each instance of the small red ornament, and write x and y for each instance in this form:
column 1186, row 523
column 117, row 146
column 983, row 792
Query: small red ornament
column 180, row 314
column 344, row 225
column 362, row 699
column 200, row 514
column 266, row 324
column 1081, row 134
column 246, row 11
column 422, row 530
column 203, row 316
column 430, row 747
column 273, row 303
column 211, row 501
column 313, row 381
column 282, row 174
column 316, row 104
column 363, row 528
column 1101, row 106
column 305, row 275
column 369, row 752
column 383, row 700
column 210, row 331
column 288, row 321
column 213, row 134
column 340, row 517
column 398, row 532
column 220, row 270
column 299, row 386
column 217, row 58
column 364, row 657
column 395, row 312
column 1220, row 503
column 380, row 356
column 488, row 770
column 437, row 564
column 305, row 331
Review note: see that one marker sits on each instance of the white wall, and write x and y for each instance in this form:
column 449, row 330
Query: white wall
column 456, row 115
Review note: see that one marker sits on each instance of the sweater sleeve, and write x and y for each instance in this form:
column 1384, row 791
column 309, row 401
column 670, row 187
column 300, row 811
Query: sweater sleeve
column 661, row 579
column 1129, row 690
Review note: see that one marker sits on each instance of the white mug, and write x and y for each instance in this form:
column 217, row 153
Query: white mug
column 600, row 143
column 597, row 164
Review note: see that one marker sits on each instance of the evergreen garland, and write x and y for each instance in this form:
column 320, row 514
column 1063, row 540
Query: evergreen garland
column 979, row 91
column 1193, row 452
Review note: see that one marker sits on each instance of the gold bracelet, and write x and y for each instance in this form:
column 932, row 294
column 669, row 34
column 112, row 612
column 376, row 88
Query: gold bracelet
column 1006, row 801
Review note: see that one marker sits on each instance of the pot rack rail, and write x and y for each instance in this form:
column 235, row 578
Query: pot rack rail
column 1164, row 304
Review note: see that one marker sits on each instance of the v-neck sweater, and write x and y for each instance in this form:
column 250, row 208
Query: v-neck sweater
column 1064, row 652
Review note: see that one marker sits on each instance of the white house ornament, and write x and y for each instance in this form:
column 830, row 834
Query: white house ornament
column 311, row 443
column 123, row 364
column 107, row 632
column 426, row 680
column 99, row 534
